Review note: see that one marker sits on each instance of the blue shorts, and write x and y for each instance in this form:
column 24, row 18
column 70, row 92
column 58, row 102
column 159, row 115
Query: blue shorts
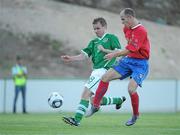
column 133, row 68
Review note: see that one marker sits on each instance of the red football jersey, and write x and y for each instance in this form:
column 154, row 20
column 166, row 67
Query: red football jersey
column 138, row 42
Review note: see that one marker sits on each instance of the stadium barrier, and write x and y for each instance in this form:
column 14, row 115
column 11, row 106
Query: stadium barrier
column 155, row 95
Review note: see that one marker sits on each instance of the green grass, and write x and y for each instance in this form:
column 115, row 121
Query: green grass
column 99, row 124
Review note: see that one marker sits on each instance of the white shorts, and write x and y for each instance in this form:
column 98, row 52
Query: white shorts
column 94, row 79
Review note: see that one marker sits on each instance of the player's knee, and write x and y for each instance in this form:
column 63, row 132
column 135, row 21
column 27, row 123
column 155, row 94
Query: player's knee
column 131, row 90
column 132, row 86
column 86, row 94
column 105, row 78
column 91, row 99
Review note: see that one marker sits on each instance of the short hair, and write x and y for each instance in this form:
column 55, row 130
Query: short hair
column 130, row 12
column 101, row 20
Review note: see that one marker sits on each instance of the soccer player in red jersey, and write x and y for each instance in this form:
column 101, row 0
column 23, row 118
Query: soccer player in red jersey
column 133, row 64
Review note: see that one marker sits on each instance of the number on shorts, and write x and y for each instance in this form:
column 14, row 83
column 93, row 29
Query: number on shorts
column 91, row 79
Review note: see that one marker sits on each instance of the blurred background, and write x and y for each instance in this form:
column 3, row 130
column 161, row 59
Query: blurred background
column 43, row 30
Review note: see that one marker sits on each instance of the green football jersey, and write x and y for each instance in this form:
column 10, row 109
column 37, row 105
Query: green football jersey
column 108, row 41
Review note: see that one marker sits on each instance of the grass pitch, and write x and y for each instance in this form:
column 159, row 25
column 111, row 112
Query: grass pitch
column 99, row 124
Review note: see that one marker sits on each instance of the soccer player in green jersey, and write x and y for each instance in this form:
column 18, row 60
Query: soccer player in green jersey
column 97, row 48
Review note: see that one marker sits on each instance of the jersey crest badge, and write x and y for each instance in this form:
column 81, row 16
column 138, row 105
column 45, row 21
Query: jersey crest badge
column 105, row 40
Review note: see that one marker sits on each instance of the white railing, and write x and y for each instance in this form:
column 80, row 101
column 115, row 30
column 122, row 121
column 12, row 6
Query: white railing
column 155, row 95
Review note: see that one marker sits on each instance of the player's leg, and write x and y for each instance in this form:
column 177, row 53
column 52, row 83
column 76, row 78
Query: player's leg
column 132, row 86
column 119, row 71
column 81, row 109
column 117, row 101
column 83, row 105
column 139, row 73
column 89, row 89
column 111, row 74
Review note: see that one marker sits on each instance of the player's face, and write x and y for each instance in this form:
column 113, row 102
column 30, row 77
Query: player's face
column 99, row 29
column 126, row 20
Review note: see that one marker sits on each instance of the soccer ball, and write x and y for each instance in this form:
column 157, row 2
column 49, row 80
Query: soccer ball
column 55, row 100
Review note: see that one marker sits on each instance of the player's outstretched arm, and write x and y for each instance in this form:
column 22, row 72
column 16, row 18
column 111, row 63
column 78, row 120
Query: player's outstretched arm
column 68, row 58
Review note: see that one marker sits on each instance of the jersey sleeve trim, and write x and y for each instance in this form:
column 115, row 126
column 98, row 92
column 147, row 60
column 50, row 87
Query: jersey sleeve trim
column 84, row 53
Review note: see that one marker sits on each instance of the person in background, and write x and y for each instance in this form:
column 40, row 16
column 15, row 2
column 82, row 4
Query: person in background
column 134, row 64
column 19, row 73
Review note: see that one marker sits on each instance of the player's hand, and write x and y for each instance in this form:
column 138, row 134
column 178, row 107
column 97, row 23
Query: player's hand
column 66, row 58
column 109, row 56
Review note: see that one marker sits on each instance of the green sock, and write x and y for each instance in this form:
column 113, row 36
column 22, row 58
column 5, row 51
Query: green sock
column 81, row 110
column 111, row 100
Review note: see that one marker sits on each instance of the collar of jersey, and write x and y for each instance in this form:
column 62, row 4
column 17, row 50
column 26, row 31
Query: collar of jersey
column 136, row 26
column 102, row 36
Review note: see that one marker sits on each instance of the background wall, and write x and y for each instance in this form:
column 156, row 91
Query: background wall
column 59, row 28
column 155, row 95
